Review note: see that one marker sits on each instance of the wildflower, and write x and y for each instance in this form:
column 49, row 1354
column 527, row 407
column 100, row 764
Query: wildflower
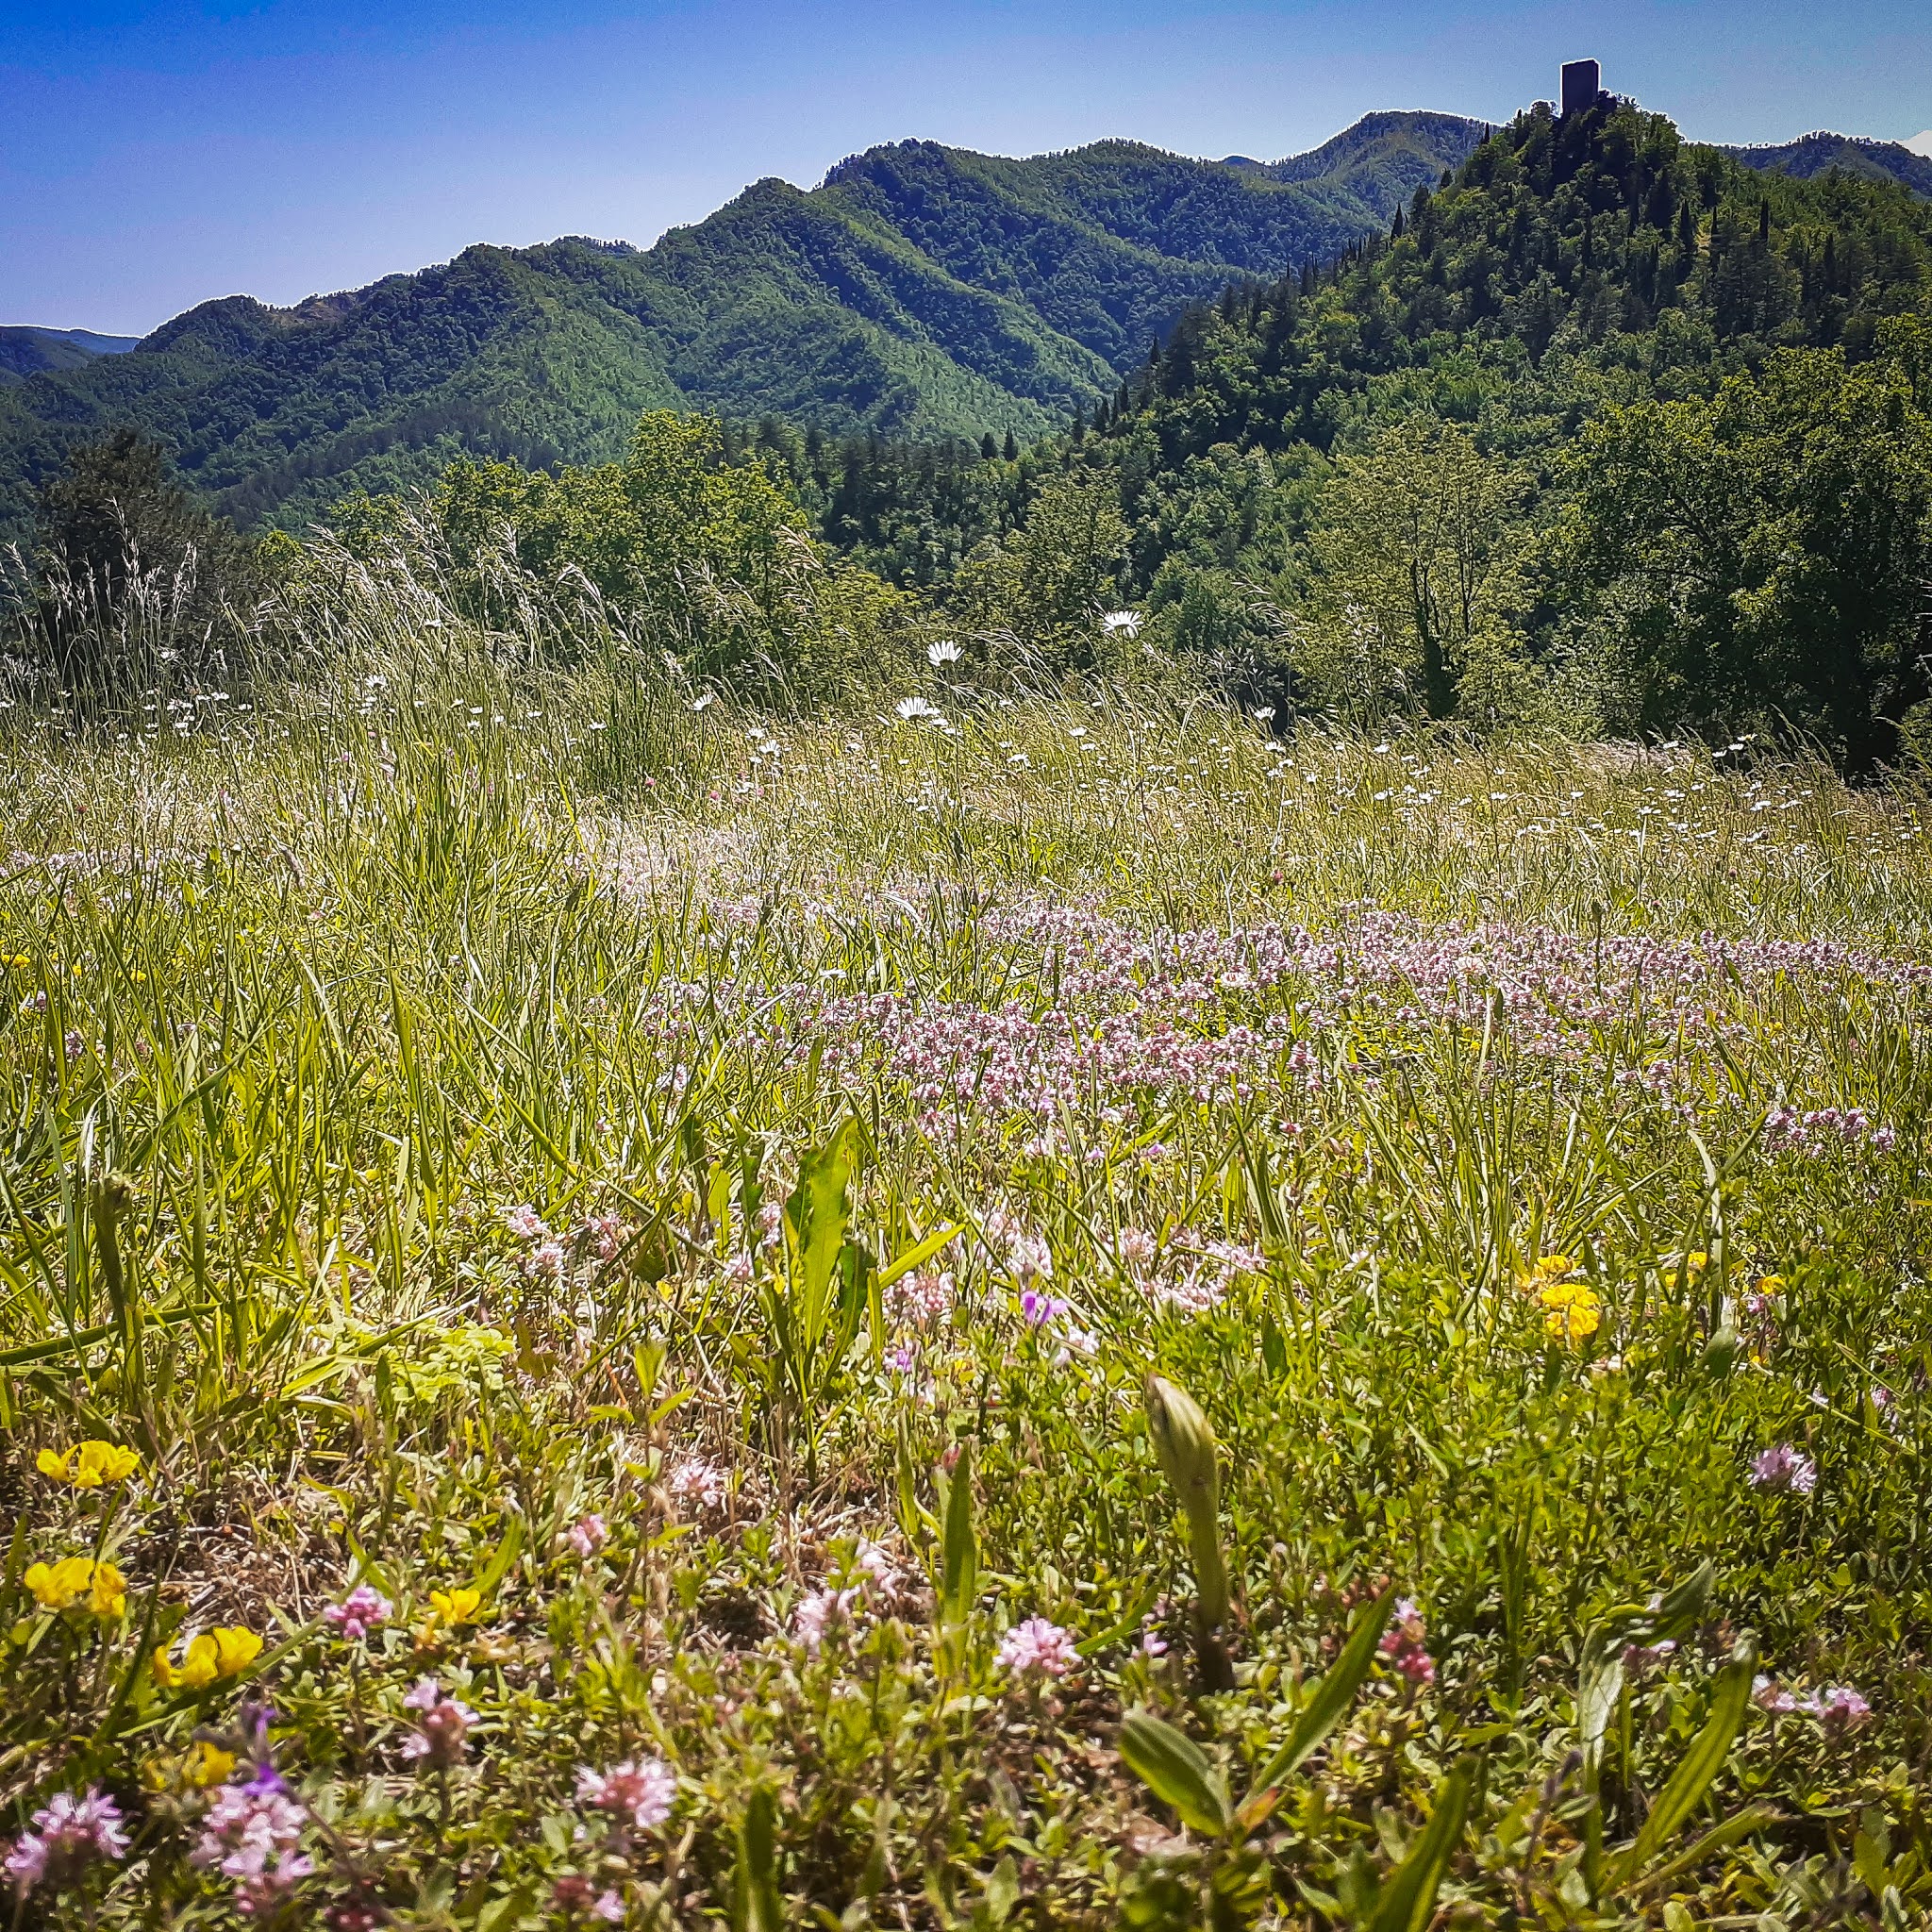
column 639, row 1789
column 1841, row 1707
column 911, row 709
column 1122, row 622
column 359, row 1613
column 1572, row 1312
column 252, row 1833
column 1768, row 1695
column 1546, row 1268
column 544, row 1262
column 944, row 652
column 226, row 1652
column 454, row 1607
column 91, row 1466
column 440, row 1738
column 921, row 1297
column 67, row 1836
column 107, row 1594
column 1039, row 1310
column 571, row 1895
column 525, row 1223
column 207, row 1765
column 1405, row 1643
column 699, row 1482
column 1782, row 1469
column 586, row 1536
column 1138, row 1250
column 60, row 1585
column 1037, row 1647
column 823, row 1611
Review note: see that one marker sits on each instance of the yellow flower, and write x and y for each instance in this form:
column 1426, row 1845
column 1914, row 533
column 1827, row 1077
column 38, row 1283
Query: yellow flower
column 1696, row 1261
column 63, row 1585
column 1572, row 1311
column 207, row 1765
column 454, row 1607
column 106, row 1592
column 223, row 1653
column 91, row 1466
column 236, row 1648
column 1770, row 1283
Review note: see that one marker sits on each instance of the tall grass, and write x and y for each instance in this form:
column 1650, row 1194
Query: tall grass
column 483, row 1086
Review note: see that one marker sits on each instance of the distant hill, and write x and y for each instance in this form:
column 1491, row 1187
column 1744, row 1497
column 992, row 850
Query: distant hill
column 920, row 291
column 1812, row 155
column 26, row 350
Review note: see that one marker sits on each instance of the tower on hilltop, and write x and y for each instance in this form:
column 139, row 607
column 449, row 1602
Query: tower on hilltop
column 1582, row 82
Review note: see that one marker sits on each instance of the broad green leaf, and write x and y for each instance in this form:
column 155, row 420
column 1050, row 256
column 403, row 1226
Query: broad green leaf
column 960, row 1573
column 1177, row 1771
column 921, row 1252
column 1702, row 1762
column 1332, row 1696
column 1407, row 1897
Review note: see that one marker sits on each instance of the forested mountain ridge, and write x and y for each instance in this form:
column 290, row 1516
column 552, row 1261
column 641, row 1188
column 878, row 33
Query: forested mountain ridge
column 27, row 350
column 920, row 291
column 1812, row 155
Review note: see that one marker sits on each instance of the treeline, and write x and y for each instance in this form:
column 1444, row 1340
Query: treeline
column 1606, row 434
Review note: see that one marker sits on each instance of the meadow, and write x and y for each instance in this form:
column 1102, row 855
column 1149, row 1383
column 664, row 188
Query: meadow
column 1054, row 1308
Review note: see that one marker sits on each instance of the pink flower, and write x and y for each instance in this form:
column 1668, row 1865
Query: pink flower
column 699, row 1482
column 604, row 1235
column 1037, row 1647
column 1841, row 1707
column 1404, row 1643
column 526, row 1223
column 544, row 1262
column 252, row 1833
column 586, row 1536
column 359, row 1613
column 68, row 1835
column 1039, row 1310
column 440, row 1738
column 643, row 1789
column 824, row 1610
column 1782, row 1469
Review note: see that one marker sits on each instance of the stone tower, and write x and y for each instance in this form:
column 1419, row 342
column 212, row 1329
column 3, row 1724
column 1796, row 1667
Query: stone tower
column 1582, row 80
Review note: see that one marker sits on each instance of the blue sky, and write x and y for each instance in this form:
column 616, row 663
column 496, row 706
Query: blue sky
column 154, row 152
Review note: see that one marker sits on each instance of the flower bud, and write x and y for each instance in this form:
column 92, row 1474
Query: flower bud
column 1184, row 1440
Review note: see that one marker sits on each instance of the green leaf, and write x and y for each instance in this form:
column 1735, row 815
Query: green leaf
column 758, row 1906
column 960, row 1572
column 1702, row 1762
column 920, row 1253
column 1333, row 1694
column 1177, row 1771
column 820, row 1212
column 1407, row 1896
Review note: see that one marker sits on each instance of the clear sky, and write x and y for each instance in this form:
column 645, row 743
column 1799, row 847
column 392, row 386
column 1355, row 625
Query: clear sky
column 154, row 152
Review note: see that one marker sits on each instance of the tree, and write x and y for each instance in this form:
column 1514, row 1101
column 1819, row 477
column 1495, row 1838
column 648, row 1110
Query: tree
column 130, row 572
column 1416, row 550
column 1764, row 554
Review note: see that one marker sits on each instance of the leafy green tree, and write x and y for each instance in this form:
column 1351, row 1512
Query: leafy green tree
column 1417, row 554
column 1764, row 554
column 130, row 574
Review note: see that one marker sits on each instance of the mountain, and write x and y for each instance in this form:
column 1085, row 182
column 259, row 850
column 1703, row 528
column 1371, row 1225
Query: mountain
column 27, row 350
column 1812, row 155
column 919, row 291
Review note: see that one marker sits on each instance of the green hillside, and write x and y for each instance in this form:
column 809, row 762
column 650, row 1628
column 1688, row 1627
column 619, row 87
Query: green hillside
column 920, row 292
column 1812, row 155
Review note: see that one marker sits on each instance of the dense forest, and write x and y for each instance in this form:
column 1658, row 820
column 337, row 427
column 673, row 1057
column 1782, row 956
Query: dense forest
column 1604, row 432
column 920, row 292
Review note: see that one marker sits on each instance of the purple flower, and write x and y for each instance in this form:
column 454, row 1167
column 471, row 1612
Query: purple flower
column 359, row 1613
column 1782, row 1469
column 1405, row 1643
column 586, row 1536
column 68, row 1835
column 440, row 1738
column 253, row 1834
column 1841, row 1707
column 642, row 1789
column 823, row 1611
column 1038, row 1648
column 526, row 1223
